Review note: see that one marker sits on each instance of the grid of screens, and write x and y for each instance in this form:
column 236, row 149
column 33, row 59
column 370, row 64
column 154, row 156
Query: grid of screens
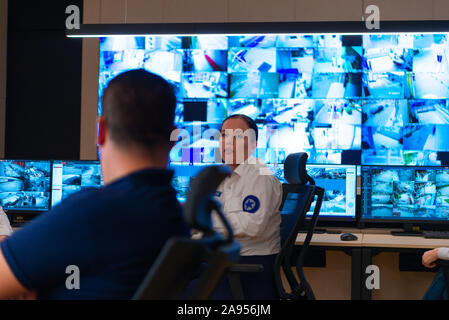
column 404, row 193
column 359, row 99
column 25, row 185
column 73, row 176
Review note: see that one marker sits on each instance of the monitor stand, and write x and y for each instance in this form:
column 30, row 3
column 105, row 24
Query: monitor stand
column 409, row 231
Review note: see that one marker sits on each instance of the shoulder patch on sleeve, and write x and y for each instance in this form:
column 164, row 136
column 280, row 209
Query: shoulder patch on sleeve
column 251, row 204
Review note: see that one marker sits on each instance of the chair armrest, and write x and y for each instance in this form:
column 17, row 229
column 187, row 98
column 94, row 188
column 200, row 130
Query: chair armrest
column 240, row 268
column 442, row 263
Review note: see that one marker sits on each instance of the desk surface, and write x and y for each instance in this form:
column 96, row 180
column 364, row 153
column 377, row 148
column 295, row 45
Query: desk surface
column 389, row 241
column 374, row 240
column 330, row 240
column 370, row 240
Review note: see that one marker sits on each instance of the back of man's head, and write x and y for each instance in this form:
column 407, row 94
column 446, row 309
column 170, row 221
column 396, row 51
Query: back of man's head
column 139, row 110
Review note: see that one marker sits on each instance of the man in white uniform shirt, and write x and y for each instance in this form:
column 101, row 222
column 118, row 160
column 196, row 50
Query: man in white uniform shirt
column 250, row 200
column 5, row 227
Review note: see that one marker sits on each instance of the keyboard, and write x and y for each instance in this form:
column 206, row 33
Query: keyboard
column 436, row 234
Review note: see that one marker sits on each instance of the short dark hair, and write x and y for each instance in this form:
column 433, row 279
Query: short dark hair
column 250, row 122
column 139, row 109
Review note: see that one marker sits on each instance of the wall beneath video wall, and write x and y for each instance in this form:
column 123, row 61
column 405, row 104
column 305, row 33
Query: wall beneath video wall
column 172, row 11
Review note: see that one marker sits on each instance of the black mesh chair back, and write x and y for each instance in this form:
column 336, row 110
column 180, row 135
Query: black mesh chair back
column 298, row 196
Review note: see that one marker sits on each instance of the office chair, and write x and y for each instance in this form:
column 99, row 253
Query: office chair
column 296, row 202
column 171, row 275
column 444, row 265
column 298, row 196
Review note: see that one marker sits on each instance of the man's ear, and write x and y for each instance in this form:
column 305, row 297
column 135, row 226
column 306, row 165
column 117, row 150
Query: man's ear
column 101, row 131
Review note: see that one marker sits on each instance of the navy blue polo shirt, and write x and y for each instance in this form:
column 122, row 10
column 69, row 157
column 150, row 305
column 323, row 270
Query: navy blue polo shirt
column 113, row 235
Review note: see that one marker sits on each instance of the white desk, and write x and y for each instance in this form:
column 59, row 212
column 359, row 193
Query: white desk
column 368, row 245
column 376, row 244
column 402, row 242
column 330, row 240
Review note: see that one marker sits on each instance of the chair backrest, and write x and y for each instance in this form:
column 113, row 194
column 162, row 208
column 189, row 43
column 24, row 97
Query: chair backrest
column 298, row 196
column 295, row 171
column 298, row 192
column 181, row 258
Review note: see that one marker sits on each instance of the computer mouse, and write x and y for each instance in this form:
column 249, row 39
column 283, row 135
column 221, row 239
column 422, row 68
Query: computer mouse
column 348, row 237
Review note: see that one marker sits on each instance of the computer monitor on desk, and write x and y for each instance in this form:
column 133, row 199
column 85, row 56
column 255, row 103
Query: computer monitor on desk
column 339, row 183
column 24, row 188
column 73, row 176
column 410, row 195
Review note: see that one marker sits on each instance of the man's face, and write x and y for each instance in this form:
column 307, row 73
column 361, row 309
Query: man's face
column 237, row 141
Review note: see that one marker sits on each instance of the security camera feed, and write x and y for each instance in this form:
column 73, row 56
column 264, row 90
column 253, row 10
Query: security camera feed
column 405, row 110
column 183, row 173
column 404, row 193
column 339, row 183
column 25, row 185
column 383, row 98
column 70, row 177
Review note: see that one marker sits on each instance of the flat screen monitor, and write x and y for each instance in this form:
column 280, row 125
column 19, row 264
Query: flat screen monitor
column 405, row 194
column 72, row 176
column 25, row 185
column 339, row 183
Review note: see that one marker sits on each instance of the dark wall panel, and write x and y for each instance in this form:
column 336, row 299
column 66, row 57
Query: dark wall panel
column 43, row 99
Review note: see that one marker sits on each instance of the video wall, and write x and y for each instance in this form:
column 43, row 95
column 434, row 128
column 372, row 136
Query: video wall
column 359, row 99
column 373, row 100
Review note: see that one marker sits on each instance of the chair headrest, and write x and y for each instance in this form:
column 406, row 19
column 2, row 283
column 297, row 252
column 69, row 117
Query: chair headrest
column 295, row 168
column 197, row 211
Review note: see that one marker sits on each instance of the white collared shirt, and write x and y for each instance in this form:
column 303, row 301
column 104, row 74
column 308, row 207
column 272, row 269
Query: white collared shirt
column 5, row 227
column 250, row 200
column 443, row 253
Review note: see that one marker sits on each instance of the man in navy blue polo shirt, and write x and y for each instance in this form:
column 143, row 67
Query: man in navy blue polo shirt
column 109, row 237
